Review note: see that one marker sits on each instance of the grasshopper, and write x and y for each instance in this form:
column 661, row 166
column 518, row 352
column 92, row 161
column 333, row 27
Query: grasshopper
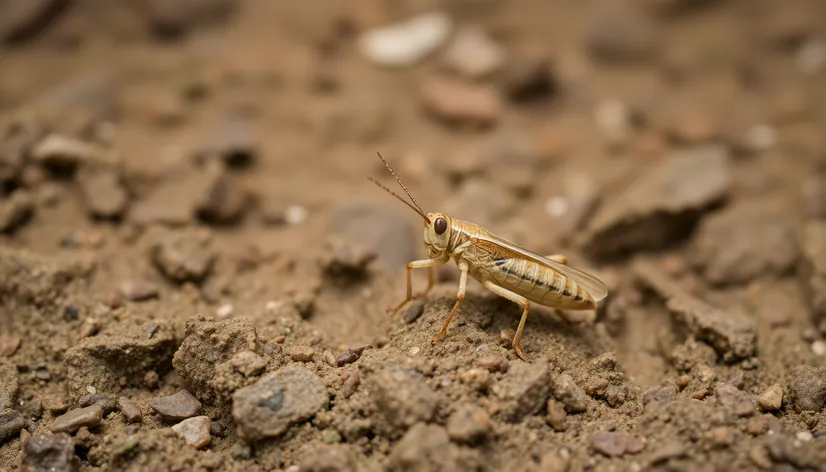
column 501, row 266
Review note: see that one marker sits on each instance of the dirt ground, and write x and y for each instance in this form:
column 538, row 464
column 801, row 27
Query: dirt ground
column 195, row 273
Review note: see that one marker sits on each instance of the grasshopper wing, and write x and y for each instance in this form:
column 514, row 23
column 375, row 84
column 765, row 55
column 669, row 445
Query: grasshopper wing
column 505, row 248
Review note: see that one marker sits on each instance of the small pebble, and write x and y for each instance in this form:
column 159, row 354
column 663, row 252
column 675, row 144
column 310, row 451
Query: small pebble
column 474, row 54
column 493, row 363
column 138, row 290
column 347, row 357
column 761, row 138
column 130, row 410
column 506, row 337
column 216, row 429
column 819, row 348
column 295, row 214
column 721, row 436
column 194, row 431
column 804, row 436
column 771, row 399
column 179, row 406
column 301, row 353
column 73, row 420
column 669, row 450
column 224, row 311
column 406, row 43
column 557, row 417
column 462, row 104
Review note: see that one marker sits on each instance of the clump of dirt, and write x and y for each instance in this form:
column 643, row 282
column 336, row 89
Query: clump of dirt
column 195, row 275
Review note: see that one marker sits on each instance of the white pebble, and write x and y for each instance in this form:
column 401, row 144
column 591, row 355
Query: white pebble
column 474, row 54
column 819, row 348
column 612, row 119
column 91, row 390
column 224, row 311
column 804, row 436
column 406, row 43
column 295, row 214
column 270, row 306
column 811, row 57
column 414, row 350
column 556, row 207
column 293, row 468
column 761, row 137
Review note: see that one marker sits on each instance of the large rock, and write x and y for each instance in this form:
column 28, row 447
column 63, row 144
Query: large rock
column 402, row 396
column 267, row 408
column 662, row 206
column 745, row 242
column 732, row 334
column 207, row 344
column 104, row 362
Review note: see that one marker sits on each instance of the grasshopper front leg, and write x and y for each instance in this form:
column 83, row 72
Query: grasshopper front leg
column 431, row 278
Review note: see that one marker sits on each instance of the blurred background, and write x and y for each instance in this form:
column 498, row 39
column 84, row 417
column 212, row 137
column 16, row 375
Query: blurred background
column 599, row 129
column 166, row 158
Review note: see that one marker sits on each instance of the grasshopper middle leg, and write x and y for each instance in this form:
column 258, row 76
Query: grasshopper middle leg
column 463, row 268
column 431, row 278
column 526, row 306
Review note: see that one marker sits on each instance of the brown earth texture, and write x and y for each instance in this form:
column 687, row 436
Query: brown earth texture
column 196, row 275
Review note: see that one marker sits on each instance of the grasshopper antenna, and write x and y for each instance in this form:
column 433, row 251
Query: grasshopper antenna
column 400, row 183
column 420, row 212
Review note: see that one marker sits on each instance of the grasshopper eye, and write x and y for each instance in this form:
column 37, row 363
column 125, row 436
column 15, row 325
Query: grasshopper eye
column 440, row 225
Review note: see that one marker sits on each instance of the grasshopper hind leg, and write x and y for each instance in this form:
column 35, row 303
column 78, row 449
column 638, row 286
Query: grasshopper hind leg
column 526, row 306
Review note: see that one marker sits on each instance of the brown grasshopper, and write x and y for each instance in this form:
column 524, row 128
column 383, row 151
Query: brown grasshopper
column 501, row 266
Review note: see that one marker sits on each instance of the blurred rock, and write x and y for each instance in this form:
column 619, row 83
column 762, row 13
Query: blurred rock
column 480, row 202
column 615, row 443
column 732, row 334
column 812, row 267
column 50, row 452
column 428, row 447
column 807, row 388
column 21, row 21
column 813, row 193
column 473, row 54
column 377, row 229
column 406, row 43
column 469, row 425
column 103, row 192
column 11, row 422
column 223, row 201
column 64, row 153
column 185, row 256
column 527, row 76
column 744, row 242
column 623, row 36
column 8, row 384
column 15, row 210
column 461, row 104
column 232, row 141
column 171, row 19
column 662, row 206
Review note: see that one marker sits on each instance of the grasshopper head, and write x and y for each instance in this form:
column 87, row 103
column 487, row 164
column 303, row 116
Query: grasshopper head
column 437, row 229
